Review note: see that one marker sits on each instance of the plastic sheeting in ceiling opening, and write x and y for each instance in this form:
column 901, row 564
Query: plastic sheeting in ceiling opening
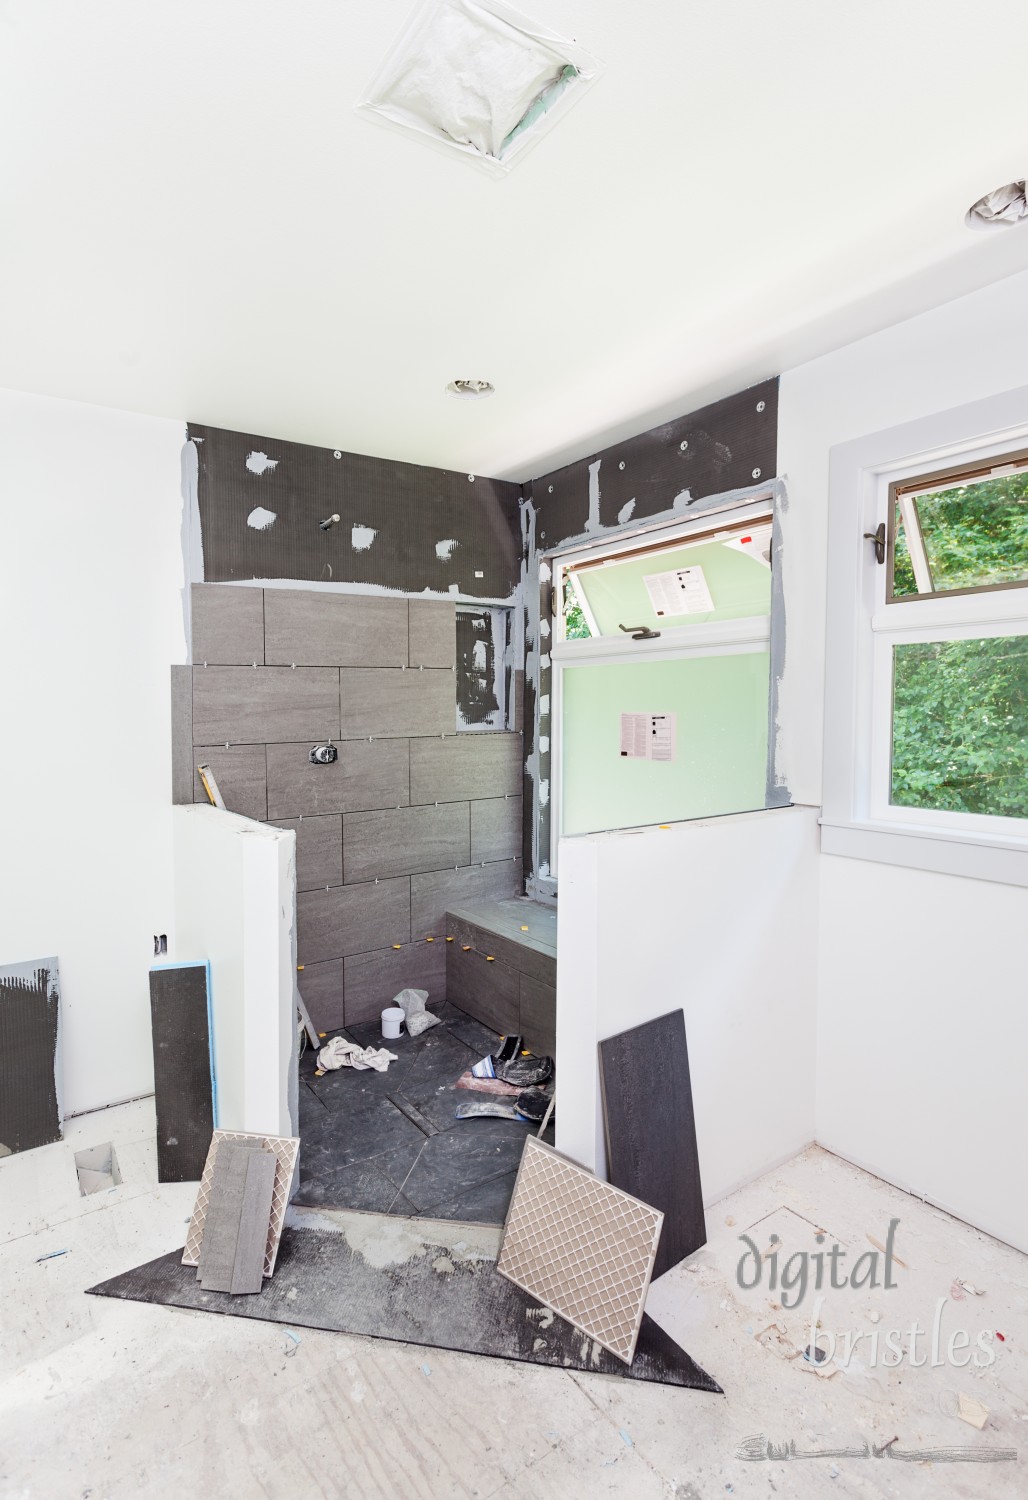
column 478, row 76
column 1004, row 206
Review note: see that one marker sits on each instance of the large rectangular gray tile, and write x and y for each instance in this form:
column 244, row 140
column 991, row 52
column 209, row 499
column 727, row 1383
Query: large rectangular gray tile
column 496, row 828
column 244, row 705
column 181, row 735
column 405, row 840
column 220, row 1243
column 488, row 991
column 383, row 701
column 240, row 774
column 322, row 988
column 319, row 850
column 433, row 893
column 523, row 958
column 228, row 624
column 468, row 765
column 315, row 629
column 351, row 919
column 433, row 633
column 252, row 1244
column 364, row 776
column 373, row 980
column 538, row 1015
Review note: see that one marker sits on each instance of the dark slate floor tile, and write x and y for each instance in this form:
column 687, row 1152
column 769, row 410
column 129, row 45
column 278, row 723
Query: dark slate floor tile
column 309, row 1107
column 398, row 1163
column 456, row 1160
column 403, row 1208
column 352, row 1090
column 361, row 1186
column 343, row 1137
column 486, row 1203
column 473, row 1034
column 441, row 1060
column 413, row 1114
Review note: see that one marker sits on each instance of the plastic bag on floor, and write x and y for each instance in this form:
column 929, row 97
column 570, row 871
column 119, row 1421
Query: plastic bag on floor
column 418, row 1019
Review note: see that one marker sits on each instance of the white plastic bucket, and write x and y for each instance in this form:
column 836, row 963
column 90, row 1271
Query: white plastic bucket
column 392, row 1022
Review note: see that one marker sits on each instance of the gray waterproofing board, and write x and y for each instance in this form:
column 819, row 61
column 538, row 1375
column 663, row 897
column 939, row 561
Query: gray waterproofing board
column 30, row 1100
column 183, row 1062
column 650, row 1130
column 235, row 1231
column 425, row 1282
column 433, row 529
column 704, row 452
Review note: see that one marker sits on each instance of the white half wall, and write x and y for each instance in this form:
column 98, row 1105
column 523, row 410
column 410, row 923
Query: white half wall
column 922, row 1032
column 921, row 994
column 91, row 579
column 235, row 905
column 717, row 918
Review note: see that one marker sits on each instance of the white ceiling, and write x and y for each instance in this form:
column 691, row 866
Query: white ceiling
column 195, row 223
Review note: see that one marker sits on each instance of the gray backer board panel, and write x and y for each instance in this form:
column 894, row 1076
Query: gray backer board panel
column 389, row 702
column 434, row 892
column 405, row 841
column 351, row 919
column 650, row 1130
column 183, row 1062
column 227, row 625
column 256, row 705
column 30, row 1082
column 373, row 980
column 318, row 629
column 477, row 700
column 432, row 640
column 465, row 766
column 702, row 453
column 319, row 850
column 411, row 511
column 362, row 778
column 241, row 774
column 182, row 770
column 496, row 828
column 444, row 1294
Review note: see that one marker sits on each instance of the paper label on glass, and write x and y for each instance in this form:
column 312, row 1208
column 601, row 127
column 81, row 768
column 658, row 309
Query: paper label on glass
column 648, row 736
column 755, row 543
column 683, row 591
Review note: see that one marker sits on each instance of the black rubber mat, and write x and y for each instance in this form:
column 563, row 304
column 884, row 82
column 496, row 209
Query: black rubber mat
column 404, row 1285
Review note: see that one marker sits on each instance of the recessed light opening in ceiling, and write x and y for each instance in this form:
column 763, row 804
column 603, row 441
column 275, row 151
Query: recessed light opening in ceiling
column 470, row 390
column 999, row 209
column 478, row 77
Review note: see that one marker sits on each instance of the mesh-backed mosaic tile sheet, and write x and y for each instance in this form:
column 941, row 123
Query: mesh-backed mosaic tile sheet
column 583, row 1248
column 285, row 1148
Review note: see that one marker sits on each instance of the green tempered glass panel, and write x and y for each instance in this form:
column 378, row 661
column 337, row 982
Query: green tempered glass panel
column 720, row 766
column 739, row 586
column 960, row 726
column 975, row 536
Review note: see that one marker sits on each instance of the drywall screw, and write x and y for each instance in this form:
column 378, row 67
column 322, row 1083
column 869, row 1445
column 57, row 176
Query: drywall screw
column 756, row 473
column 471, row 479
column 684, row 444
column 760, row 405
column 621, row 465
column 337, row 454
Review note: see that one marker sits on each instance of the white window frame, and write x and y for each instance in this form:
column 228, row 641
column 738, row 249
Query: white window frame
column 679, row 642
column 858, row 820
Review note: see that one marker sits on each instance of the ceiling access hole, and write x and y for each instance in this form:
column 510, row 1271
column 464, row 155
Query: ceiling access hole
column 97, row 1169
column 470, row 390
column 477, row 76
column 1000, row 209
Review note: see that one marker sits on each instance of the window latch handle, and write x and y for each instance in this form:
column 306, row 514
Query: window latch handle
column 640, row 632
column 878, row 537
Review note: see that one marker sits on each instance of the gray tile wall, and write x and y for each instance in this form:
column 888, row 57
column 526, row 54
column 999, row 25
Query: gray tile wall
column 411, row 818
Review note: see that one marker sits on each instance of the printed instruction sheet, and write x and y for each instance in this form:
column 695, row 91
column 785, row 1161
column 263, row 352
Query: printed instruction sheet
column 683, row 591
column 648, row 736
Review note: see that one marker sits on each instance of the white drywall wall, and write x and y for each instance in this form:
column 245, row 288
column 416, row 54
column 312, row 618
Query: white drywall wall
column 921, row 1015
column 235, row 905
column 90, row 617
column 717, row 918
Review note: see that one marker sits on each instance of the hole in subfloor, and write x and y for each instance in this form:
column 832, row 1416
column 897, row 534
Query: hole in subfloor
column 97, row 1169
